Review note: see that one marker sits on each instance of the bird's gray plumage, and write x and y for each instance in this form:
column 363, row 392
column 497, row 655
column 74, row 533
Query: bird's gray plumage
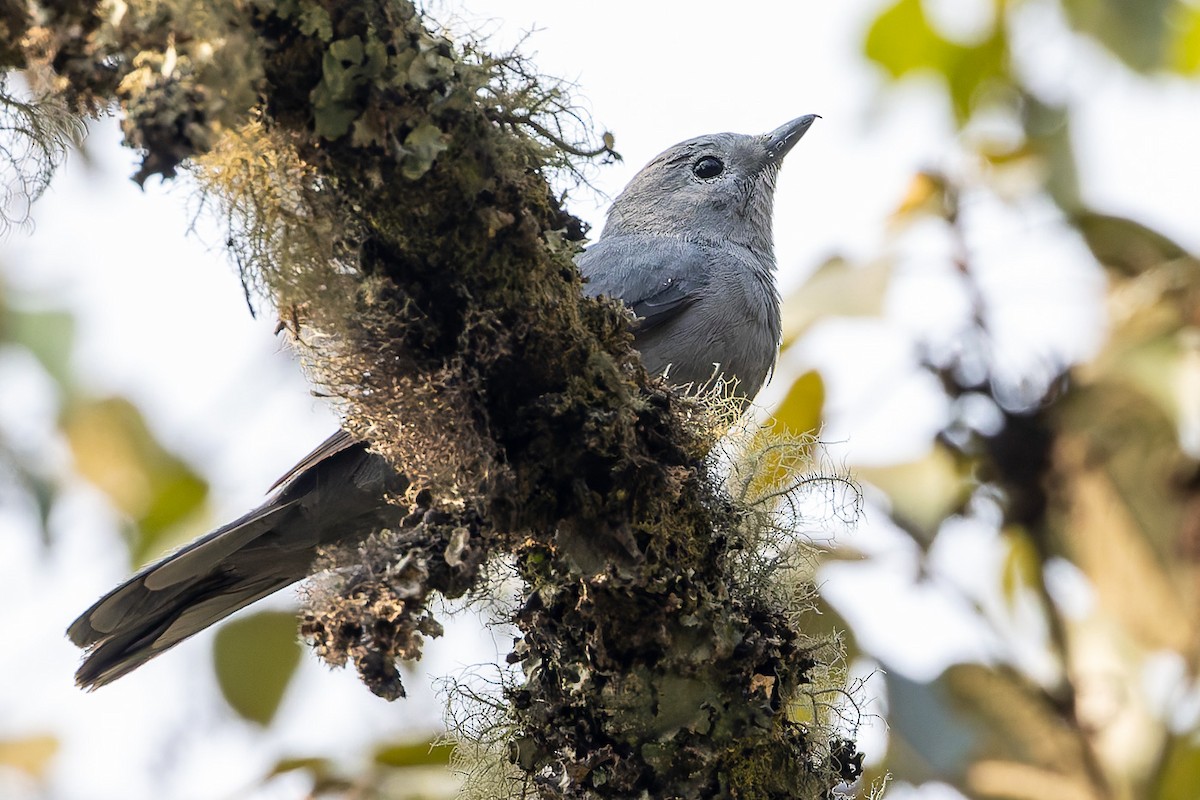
column 337, row 498
column 691, row 253
column 703, row 312
column 687, row 246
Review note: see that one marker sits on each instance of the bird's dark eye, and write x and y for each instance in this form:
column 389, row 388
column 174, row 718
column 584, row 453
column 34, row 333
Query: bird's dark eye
column 708, row 167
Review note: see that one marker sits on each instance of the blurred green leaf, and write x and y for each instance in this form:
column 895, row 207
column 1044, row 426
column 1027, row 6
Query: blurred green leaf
column 327, row 778
column 1156, row 367
column 115, row 450
column 1124, row 245
column 255, row 657
column 1133, row 30
column 48, row 335
column 31, row 754
column 43, row 492
column 422, row 753
column 316, row 765
column 1180, row 774
column 1048, row 130
column 178, row 492
column 902, row 41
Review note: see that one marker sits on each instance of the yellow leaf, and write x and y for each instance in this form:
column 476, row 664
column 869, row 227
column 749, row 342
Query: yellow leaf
column 115, row 450
column 1021, row 563
column 800, row 410
column 924, row 192
column 110, row 442
column 775, row 456
column 1185, row 48
column 30, row 755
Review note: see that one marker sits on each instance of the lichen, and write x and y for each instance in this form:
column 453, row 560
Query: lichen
column 36, row 131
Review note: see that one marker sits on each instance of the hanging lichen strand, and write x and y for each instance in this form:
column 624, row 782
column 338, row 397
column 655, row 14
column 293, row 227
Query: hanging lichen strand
column 386, row 188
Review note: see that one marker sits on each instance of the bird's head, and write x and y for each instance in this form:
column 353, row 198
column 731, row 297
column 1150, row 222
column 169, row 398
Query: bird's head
column 717, row 188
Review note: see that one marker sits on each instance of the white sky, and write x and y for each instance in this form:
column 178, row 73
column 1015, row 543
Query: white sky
column 162, row 319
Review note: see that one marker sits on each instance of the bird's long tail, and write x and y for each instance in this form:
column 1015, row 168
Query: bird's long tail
column 334, row 496
column 183, row 594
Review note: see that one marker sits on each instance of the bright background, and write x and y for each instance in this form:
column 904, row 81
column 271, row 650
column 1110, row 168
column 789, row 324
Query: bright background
column 159, row 318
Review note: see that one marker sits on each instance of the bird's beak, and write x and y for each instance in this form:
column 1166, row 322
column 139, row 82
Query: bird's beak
column 784, row 138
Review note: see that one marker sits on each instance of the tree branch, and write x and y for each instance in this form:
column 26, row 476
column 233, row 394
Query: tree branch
column 366, row 184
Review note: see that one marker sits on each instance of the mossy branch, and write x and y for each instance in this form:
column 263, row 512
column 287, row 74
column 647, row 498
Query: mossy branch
column 387, row 189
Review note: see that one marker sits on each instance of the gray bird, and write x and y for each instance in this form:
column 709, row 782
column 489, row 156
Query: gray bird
column 687, row 246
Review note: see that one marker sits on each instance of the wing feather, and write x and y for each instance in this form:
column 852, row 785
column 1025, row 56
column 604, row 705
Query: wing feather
column 658, row 277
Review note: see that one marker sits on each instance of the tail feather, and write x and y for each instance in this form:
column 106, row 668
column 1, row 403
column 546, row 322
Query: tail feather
column 334, row 496
column 127, row 649
column 207, row 553
column 169, row 578
column 209, row 580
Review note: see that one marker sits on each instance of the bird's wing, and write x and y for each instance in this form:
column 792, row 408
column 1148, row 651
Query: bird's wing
column 658, row 277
